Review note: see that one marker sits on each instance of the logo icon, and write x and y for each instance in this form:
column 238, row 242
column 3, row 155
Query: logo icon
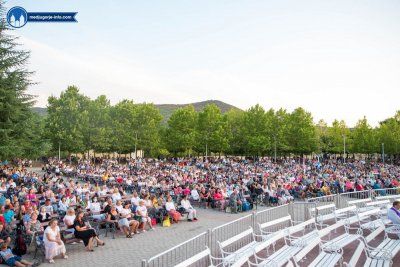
column 17, row 17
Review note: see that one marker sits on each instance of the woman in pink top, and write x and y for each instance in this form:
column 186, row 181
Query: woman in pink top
column 31, row 196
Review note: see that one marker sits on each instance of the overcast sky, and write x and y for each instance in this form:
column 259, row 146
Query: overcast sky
column 337, row 59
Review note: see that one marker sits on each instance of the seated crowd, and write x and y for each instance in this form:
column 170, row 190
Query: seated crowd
column 77, row 201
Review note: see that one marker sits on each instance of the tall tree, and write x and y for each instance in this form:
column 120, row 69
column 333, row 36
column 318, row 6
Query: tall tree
column 147, row 125
column 124, row 128
column 339, row 136
column 15, row 103
column 301, row 134
column 67, row 121
column 364, row 138
column 181, row 132
column 256, row 131
column 235, row 120
column 99, row 132
column 135, row 126
column 389, row 134
column 279, row 128
column 211, row 130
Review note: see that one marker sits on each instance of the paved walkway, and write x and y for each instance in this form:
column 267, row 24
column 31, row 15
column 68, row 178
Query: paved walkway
column 130, row 252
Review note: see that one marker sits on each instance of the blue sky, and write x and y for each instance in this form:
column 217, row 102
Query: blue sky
column 337, row 59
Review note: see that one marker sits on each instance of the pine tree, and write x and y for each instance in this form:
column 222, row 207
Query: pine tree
column 15, row 103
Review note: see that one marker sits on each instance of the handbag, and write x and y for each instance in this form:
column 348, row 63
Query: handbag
column 166, row 222
column 153, row 221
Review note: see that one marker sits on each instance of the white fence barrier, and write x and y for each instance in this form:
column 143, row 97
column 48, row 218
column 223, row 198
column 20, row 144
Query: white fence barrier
column 299, row 211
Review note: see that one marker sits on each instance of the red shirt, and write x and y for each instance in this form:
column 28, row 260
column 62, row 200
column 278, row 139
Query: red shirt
column 218, row 196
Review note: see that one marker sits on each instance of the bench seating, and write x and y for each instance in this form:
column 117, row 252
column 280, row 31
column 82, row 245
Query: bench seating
column 345, row 212
column 323, row 214
column 196, row 258
column 271, row 228
column 359, row 203
column 387, row 197
column 374, row 257
column 243, row 252
column 292, row 245
column 376, row 204
column 259, row 247
column 324, row 258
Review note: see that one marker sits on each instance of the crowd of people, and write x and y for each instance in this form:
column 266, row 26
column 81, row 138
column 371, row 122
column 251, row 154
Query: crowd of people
column 75, row 201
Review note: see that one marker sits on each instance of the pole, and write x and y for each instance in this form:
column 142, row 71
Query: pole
column 344, row 148
column 383, row 153
column 59, row 150
column 206, row 151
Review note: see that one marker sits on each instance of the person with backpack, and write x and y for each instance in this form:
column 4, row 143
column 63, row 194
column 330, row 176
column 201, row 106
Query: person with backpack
column 12, row 260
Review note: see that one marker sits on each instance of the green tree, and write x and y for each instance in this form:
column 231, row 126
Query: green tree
column 34, row 143
column 147, row 127
column 15, row 103
column 256, row 132
column 279, row 128
column 67, row 121
column 180, row 135
column 98, row 135
column 389, row 134
column 338, row 134
column 235, row 121
column 211, row 130
column 124, row 128
column 135, row 126
column 364, row 138
column 301, row 134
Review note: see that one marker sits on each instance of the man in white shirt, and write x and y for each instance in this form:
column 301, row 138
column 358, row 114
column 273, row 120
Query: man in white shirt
column 185, row 203
column 95, row 209
column 195, row 194
column 135, row 199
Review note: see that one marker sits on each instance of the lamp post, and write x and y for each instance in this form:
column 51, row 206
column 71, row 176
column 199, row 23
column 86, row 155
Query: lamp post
column 59, row 150
column 383, row 153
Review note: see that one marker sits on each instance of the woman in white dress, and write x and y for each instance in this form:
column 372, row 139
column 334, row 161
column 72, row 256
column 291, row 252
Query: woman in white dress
column 52, row 242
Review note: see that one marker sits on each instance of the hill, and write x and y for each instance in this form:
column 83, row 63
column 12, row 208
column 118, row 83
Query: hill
column 167, row 109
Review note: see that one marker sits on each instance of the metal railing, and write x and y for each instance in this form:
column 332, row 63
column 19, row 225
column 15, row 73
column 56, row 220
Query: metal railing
column 387, row 192
column 227, row 230
column 271, row 214
column 181, row 252
column 299, row 211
